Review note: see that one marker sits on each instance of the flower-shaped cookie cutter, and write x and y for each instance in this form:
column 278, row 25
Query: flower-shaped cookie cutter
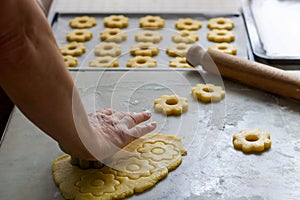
column 252, row 140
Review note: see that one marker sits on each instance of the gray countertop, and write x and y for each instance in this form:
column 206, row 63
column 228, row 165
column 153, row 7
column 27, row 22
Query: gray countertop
column 213, row 169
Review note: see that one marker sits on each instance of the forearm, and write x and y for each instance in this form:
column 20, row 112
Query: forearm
column 33, row 75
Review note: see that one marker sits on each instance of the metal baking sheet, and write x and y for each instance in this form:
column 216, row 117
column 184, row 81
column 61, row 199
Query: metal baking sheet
column 60, row 26
column 272, row 26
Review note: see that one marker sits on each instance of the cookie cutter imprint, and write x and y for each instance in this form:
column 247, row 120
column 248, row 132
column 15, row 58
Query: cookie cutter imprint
column 61, row 28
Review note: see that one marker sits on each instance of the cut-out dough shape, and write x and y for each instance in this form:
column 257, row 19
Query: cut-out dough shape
column 251, row 141
column 107, row 49
column 144, row 49
column 179, row 62
column 223, row 35
column 208, row 92
column 113, row 35
column 70, row 61
column 220, row 23
column 79, row 35
column 104, row 62
column 138, row 167
column 148, row 36
column 152, row 22
column 224, row 47
column 83, row 22
column 187, row 24
column 171, row 104
column 73, row 49
column 178, row 49
column 116, row 21
column 185, row 36
column 141, row 62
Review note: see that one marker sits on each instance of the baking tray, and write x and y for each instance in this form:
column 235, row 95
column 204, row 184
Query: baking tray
column 60, row 26
column 265, row 37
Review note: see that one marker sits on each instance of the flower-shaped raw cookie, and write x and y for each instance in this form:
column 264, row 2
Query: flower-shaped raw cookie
column 252, row 140
column 116, row 21
column 70, row 61
column 83, row 22
column 208, row 92
column 152, row 22
column 141, row 62
column 188, row 24
column 79, row 35
column 144, row 49
column 185, row 36
column 107, row 49
column 73, row 49
column 171, row 104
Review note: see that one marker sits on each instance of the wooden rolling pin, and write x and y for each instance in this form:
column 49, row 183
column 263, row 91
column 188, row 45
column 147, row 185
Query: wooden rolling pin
column 251, row 73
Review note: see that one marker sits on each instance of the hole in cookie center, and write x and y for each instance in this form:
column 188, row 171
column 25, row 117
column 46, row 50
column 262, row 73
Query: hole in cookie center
column 83, row 21
column 208, row 89
column 151, row 20
column 182, row 62
column 97, row 182
column 79, row 33
column 116, row 19
column 188, row 23
column 72, row 48
column 221, row 22
column 222, row 47
column 148, row 34
column 141, row 61
column 171, row 101
column 185, row 34
column 113, row 33
column 180, row 47
column 107, row 48
column 251, row 138
column 144, row 47
column 221, row 33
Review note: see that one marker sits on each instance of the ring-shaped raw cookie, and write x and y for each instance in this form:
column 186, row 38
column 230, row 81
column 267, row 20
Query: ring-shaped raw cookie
column 188, row 24
column 144, row 49
column 171, row 104
column 116, row 21
column 179, row 62
column 252, row 141
column 73, row 49
column 107, row 49
column 208, row 92
column 141, row 62
column 70, row 61
column 185, row 36
column 223, row 35
column 148, row 36
column 83, row 22
column 224, row 47
column 220, row 23
column 113, row 35
column 178, row 49
column 79, row 35
column 104, row 62
column 152, row 22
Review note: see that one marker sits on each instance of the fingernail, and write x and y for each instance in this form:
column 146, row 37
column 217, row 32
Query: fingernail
column 153, row 123
column 147, row 112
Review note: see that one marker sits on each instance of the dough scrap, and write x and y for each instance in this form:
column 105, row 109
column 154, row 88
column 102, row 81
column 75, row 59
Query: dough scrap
column 208, row 92
column 171, row 104
column 134, row 169
column 251, row 141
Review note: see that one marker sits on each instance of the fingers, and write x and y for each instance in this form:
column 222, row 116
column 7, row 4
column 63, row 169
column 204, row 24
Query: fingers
column 141, row 130
column 132, row 119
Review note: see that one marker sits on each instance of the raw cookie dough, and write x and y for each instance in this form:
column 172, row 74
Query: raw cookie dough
column 107, row 49
column 252, row 141
column 141, row 62
column 148, row 36
column 178, row 49
column 113, row 35
column 171, row 104
column 224, row 47
column 144, row 49
column 223, row 35
column 152, row 22
column 73, row 49
column 83, row 22
column 179, row 62
column 220, row 23
column 116, row 21
column 187, row 24
column 137, row 168
column 208, row 92
column 70, row 61
column 185, row 36
column 104, row 62
column 79, row 35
